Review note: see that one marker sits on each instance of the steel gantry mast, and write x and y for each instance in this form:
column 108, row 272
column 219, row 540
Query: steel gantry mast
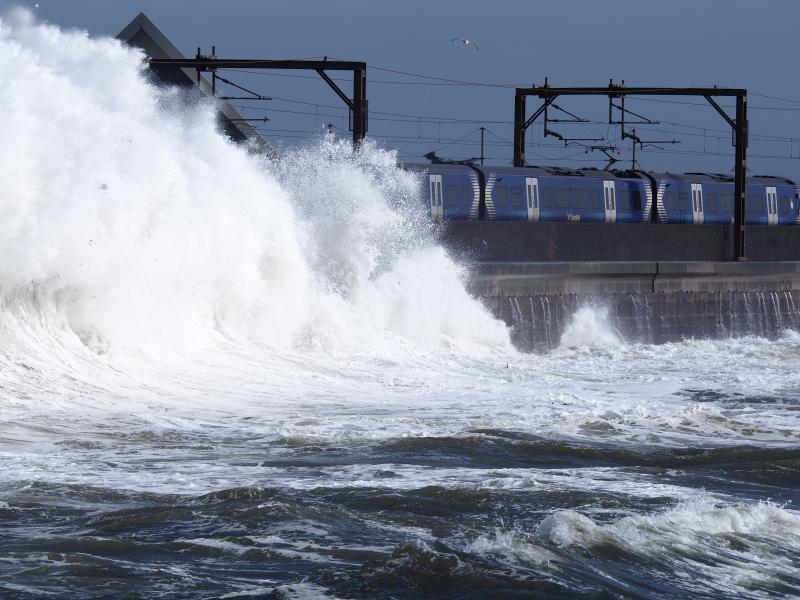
column 357, row 104
column 739, row 125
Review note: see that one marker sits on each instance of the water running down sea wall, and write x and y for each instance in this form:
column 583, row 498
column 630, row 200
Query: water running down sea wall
column 642, row 302
column 539, row 322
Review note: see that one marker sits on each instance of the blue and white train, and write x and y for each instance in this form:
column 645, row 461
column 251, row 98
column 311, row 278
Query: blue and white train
column 468, row 191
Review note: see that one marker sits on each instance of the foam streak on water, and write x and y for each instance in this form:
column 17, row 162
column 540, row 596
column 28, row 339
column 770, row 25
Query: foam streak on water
column 229, row 376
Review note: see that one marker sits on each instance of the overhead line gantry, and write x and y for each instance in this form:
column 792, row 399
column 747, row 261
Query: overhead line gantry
column 739, row 125
column 357, row 104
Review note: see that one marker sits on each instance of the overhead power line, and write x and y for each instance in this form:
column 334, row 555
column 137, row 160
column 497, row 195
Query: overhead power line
column 405, row 119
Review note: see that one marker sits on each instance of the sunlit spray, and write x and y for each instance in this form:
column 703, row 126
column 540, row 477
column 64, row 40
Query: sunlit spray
column 146, row 230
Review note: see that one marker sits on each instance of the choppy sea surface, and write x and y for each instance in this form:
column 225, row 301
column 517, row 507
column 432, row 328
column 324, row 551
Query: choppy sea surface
column 275, row 384
column 591, row 472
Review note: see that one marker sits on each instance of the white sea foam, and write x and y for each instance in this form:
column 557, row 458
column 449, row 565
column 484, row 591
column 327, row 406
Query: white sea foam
column 127, row 214
column 296, row 591
column 516, row 548
column 138, row 276
column 739, row 547
column 589, row 329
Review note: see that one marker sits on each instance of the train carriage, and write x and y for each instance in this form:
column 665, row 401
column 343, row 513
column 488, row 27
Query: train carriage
column 466, row 191
column 701, row 198
column 453, row 191
column 549, row 194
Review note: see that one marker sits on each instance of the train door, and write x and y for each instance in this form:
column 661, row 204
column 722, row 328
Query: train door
column 437, row 212
column 772, row 206
column 697, row 204
column 532, row 186
column 610, row 201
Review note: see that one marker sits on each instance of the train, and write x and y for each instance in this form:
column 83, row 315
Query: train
column 469, row 191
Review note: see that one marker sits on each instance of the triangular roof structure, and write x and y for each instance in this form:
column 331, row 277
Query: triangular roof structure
column 142, row 33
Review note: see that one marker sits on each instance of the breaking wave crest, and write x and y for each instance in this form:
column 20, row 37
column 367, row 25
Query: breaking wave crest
column 673, row 527
column 729, row 550
column 128, row 222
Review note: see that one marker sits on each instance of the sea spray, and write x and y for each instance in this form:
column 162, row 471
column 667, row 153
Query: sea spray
column 589, row 328
column 372, row 246
column 150, row 232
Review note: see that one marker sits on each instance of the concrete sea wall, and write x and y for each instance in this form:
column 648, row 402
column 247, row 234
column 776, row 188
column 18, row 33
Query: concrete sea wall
column 658, row 283
column 652, row 302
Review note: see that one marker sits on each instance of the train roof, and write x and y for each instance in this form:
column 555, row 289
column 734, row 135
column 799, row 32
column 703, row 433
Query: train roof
column 723, row 178
column 437, row 167
column 539, row 171
column 530, row 171
column 775, row 179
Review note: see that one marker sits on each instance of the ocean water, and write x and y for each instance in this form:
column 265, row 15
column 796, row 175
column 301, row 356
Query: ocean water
column 225, row 376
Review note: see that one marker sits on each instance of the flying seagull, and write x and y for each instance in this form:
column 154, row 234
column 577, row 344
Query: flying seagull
column 465, row 42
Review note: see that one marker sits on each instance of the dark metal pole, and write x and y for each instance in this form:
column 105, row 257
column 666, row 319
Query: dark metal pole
column 633, row 143
column 359, row 105
column 519, row 130
column 739, row 248
column 482, row 130
column 214, row 73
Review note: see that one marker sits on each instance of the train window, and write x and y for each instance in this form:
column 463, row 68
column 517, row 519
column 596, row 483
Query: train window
column 467, row 195
column 580, row 198
column 597, row 200
column 547, row 198
column 785, row 205
column 501, row 197
column 712, row 203
column 516, row 198
column 636, row 200
column 623, row 199
column 683, row 201
column 451, row 194
column 669, row 201
column 726, row 202
column 758, row 204
column 562, row 198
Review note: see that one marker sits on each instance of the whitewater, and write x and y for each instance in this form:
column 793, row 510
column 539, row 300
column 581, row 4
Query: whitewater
column 224, row 374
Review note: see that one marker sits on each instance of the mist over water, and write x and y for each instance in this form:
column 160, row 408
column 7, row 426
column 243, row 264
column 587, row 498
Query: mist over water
column 226, row 374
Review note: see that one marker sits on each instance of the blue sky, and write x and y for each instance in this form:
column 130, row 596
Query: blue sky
column 579, row 42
